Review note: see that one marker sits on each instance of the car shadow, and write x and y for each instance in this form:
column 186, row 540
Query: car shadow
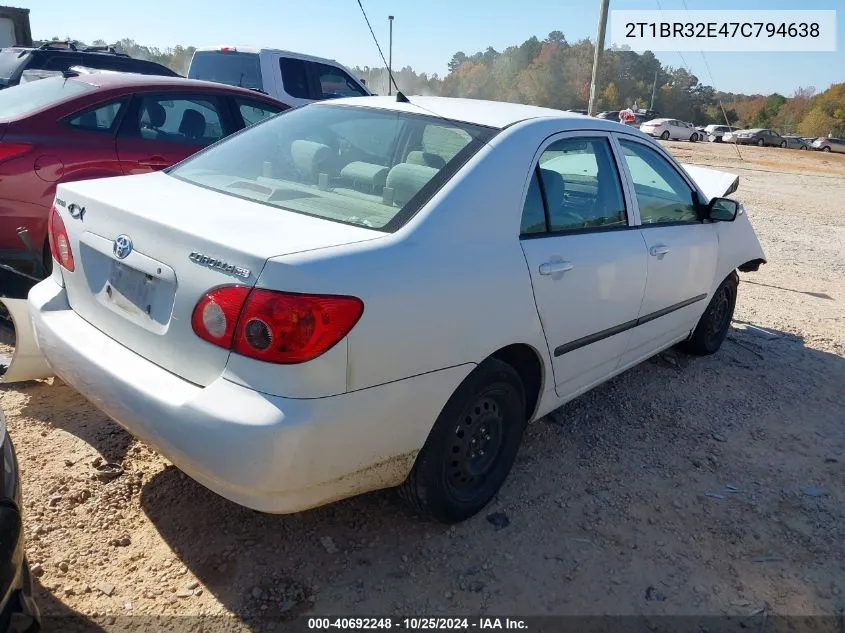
column 686, row 423
column 75, row 416
column 57, row 616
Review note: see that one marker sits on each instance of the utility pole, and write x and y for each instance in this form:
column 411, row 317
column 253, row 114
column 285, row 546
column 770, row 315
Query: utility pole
column 599, row 49
column 390, row 59
column 653, row 90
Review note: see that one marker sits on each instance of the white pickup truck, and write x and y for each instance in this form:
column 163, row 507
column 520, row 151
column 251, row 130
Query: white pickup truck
column 292, row 78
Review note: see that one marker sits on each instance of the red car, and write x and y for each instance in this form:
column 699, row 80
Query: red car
column 90, row 126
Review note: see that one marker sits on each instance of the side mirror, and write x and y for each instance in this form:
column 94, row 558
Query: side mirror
column 722, row 210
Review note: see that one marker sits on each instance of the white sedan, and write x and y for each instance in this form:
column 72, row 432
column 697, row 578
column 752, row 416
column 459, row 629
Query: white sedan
column 671, row 129
column 364, row 294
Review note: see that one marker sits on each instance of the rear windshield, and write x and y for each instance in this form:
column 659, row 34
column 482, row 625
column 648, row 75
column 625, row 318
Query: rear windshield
column 10, row 61
column 35, row 95
column 362, row 166
column 235, row 69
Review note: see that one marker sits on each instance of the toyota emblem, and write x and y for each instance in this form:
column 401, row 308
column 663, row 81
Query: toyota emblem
column 122, row 246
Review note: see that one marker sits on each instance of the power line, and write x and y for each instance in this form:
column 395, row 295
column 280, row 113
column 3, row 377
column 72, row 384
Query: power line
column 375, row 39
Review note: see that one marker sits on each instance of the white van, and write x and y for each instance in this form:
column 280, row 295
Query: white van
column 292, row 78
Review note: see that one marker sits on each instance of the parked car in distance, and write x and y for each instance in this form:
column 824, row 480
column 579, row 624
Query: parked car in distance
column 610, row 115
column 756, row 136
column 302, row 356
column 90, row 126
column 16, row 599
column 828, row 144
column 715, row 133
column 61, row 56
column 291, row 77
column 796, row 142
column 577, row 111
column 667, row 129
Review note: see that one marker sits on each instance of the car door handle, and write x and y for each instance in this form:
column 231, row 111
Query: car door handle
column 658, row 250
column 550, row 268
column 155, row 161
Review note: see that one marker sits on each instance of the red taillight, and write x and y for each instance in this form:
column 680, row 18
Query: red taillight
column 12, row 150
column 276, row 327
column 216, row 314
column 59, row 241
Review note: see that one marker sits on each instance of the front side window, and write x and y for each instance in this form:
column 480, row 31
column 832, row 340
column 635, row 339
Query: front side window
column 312, row 161
column 580, row 187
column 335, row 83
column 253, row 112
column 99, row 119
column 188, row 120
column 663, row 195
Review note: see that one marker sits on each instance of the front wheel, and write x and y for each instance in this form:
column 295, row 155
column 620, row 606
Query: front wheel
column 714, row 324
column 665, row 136
column 693, row 138
column 783, row 144
column 471, row 447
column 826, row 149
column 761, row 143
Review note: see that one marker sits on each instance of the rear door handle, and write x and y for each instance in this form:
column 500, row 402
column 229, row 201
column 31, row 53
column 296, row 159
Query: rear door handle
column 550, row 268
column 658, row 250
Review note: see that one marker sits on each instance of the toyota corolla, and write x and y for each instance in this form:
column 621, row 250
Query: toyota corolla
column 353, row 296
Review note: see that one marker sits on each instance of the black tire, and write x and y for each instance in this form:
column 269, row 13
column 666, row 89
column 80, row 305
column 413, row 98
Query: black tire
column 826, row 149
column 783, row 144
column 761, row 143
column 665, row 135
column 452, row 478
column 714, row 324
column 47, row 258
column 693, row 138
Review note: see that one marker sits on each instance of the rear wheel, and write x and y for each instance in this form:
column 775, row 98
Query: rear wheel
column 714, row 324
column 471, row 447
column 693, row 138
column 826, row 149
column 783, row 144
column 665, row 135
column 761, row 143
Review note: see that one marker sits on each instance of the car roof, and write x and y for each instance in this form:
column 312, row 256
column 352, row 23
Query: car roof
column 494, row 114
column 118, row 80
column 262, row 49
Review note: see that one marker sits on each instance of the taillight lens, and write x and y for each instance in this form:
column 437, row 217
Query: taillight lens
column 216, row 314
column 276, row 327
column 12, row 150
column 59, row 241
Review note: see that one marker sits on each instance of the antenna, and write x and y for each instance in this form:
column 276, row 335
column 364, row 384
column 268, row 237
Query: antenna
column 375, row 39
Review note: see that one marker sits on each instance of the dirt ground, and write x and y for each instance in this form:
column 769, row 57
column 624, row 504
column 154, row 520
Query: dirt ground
column 688, row 486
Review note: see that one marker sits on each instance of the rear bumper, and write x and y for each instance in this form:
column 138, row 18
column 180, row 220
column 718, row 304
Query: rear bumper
column 268, row 453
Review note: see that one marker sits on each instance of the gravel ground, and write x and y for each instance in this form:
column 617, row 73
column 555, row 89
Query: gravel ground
column 688, row 486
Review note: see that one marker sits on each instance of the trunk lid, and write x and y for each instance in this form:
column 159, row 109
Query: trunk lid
column 177, row 241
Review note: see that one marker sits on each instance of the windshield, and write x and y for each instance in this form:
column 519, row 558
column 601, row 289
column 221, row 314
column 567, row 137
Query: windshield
column 357, row 165
column 10, row 61
column 235, row 69
column 35, row 95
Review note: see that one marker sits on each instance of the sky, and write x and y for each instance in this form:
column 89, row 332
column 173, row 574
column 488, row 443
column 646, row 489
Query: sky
column 426, row 33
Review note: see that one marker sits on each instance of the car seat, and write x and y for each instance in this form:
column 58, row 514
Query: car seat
column 192, row 126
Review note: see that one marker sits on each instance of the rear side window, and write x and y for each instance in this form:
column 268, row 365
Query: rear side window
column 227, row 67
column 295, row 77
column 99, row 119
column 35, row 95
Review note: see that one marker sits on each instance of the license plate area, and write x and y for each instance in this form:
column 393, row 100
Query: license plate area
column 131, row 290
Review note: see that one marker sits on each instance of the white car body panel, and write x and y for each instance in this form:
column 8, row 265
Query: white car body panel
column 27, row 362
column 441, row 294
column 271, row 73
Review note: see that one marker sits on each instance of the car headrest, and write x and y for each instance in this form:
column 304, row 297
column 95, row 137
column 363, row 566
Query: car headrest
column 554, row 187
column 311, row 158
column 406, row 180
column 155, row 113
column 426, row 158
column 193, row 124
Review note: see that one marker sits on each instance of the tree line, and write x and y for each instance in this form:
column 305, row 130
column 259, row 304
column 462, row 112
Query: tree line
column 555, row 73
